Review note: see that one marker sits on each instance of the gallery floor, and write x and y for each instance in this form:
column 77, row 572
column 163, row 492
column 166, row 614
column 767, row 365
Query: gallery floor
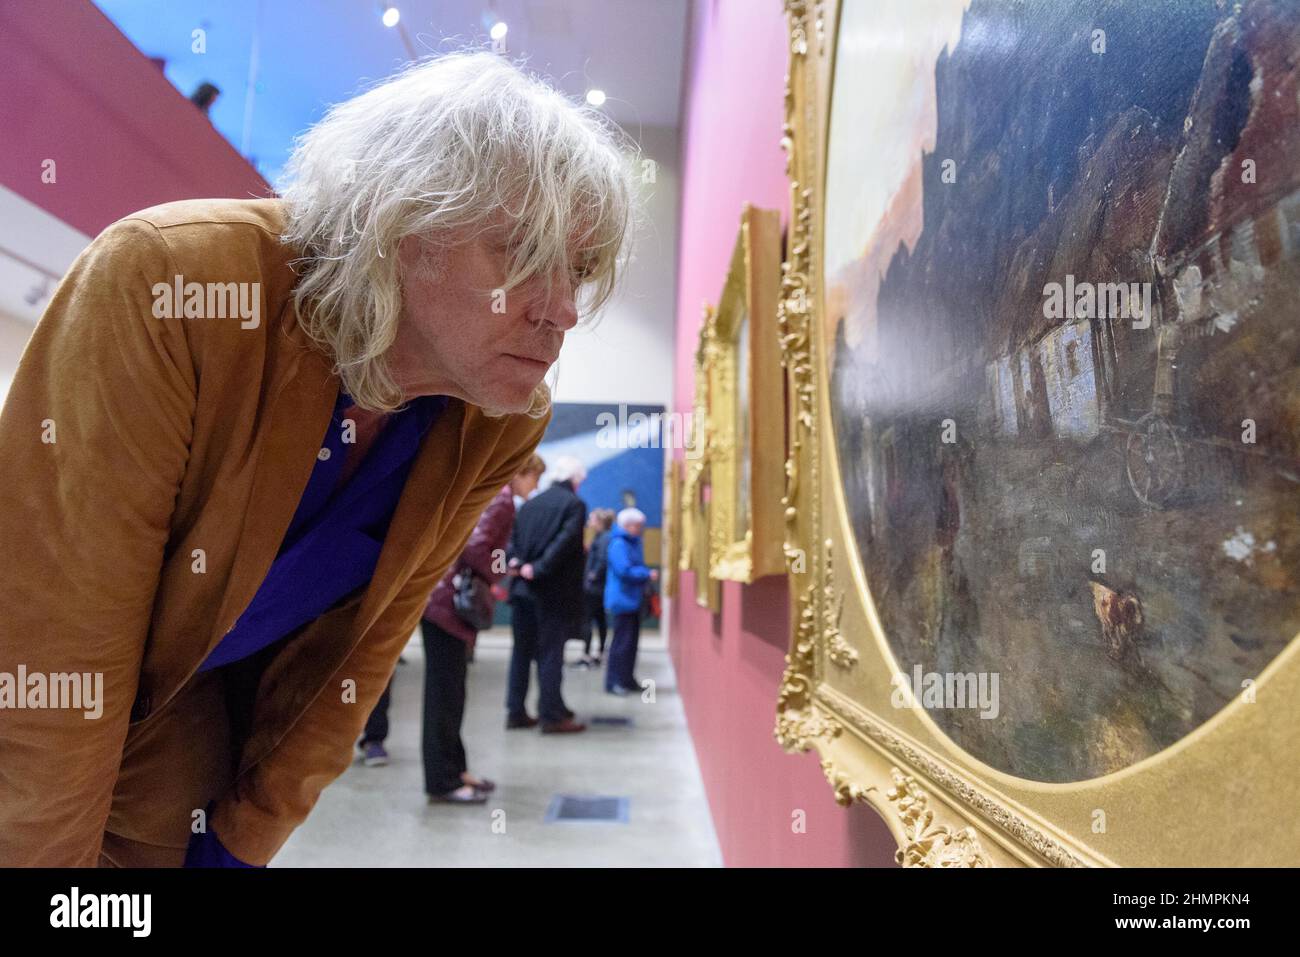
column 378, row 817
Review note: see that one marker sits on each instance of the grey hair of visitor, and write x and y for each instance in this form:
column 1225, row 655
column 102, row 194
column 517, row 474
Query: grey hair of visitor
column 568, row 469
column 630, row 516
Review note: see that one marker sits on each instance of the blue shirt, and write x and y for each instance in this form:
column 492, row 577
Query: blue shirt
column 333, row 542
column 330, row 550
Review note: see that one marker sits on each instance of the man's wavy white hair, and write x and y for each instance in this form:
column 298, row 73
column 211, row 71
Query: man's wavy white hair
column 449, row 144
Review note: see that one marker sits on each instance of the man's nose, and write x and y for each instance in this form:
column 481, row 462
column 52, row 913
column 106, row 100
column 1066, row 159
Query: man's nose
column 561, row 311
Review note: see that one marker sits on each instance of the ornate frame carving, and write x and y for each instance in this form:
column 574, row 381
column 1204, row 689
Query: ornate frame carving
column 745, row 521
column 1182, row 806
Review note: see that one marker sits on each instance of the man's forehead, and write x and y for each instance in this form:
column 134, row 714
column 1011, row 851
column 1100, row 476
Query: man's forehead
column 581, row 227
column 500, row 229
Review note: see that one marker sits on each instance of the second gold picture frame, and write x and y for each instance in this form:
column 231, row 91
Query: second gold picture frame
column 747, row 409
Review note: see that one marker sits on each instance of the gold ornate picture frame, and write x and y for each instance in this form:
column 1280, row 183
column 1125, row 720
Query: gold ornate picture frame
column 696, row 487
column 672, row 510
column 747, row 437
column 1222, row 794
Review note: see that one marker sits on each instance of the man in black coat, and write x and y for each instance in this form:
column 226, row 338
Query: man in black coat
column 546, row 597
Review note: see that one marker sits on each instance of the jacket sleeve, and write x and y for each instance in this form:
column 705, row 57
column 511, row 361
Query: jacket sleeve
column 564, row 540
column 490, row 535
column 95, row 435
column 275, row 795
column 594, row 559
column 620, row 563
column 512, row 548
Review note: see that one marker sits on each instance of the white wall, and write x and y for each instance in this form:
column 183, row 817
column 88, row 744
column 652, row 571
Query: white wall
column 36, row 249
column 627, row 356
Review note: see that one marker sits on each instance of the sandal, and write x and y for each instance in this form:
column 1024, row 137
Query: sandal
column 485, row 785
column 459, row 796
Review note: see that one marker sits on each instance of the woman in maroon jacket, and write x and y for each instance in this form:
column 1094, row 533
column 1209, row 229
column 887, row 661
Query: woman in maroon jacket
column 448, row 640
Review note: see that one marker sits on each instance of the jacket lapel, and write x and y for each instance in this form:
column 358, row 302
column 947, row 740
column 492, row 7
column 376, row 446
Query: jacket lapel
column 411, row 535
column 419, row 512
column 290, row 438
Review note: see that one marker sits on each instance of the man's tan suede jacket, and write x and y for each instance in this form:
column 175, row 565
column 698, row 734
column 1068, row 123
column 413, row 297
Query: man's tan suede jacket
column 151, row 469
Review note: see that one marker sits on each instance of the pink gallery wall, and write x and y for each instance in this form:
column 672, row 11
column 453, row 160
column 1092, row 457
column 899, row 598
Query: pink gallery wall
column 729, row 665
column 73, row 89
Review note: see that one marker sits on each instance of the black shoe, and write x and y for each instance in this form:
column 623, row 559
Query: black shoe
column 520, row 721
column 567, row 726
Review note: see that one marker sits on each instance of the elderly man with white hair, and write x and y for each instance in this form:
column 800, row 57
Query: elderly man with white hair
column 624, row 590
column 248, row 437
column 546, row 599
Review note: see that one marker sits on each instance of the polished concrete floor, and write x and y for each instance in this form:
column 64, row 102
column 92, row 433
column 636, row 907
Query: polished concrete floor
column 378, row 817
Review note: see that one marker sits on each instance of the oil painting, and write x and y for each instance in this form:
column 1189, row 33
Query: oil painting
column 1061, row 280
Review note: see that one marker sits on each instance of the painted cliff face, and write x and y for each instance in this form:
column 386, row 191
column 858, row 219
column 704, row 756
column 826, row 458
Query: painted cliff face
column 1066, row 357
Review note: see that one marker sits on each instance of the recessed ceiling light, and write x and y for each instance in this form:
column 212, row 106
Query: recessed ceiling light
column 498, row 30
column 596, row 97
column 391, row 16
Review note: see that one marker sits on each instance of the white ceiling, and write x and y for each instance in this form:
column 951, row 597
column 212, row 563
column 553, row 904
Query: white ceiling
column 632, row 49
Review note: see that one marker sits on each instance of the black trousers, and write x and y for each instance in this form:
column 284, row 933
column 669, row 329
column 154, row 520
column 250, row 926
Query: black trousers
column 445, row 658
column 620, row 668
column 539, row 635
column 595, row 616
column 377, row 723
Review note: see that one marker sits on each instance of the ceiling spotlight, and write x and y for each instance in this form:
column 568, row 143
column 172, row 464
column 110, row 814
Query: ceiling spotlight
column 498, row 30
column 391, row 16
column 596, row 97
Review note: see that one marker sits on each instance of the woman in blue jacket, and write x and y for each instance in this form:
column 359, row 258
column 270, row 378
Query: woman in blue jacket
column 624, row 586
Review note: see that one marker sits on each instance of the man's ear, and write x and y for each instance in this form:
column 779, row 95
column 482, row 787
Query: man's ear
column 408, row 252
column 421, row 258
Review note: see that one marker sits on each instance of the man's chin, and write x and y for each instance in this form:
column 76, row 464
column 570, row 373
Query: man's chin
column 509, row 398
